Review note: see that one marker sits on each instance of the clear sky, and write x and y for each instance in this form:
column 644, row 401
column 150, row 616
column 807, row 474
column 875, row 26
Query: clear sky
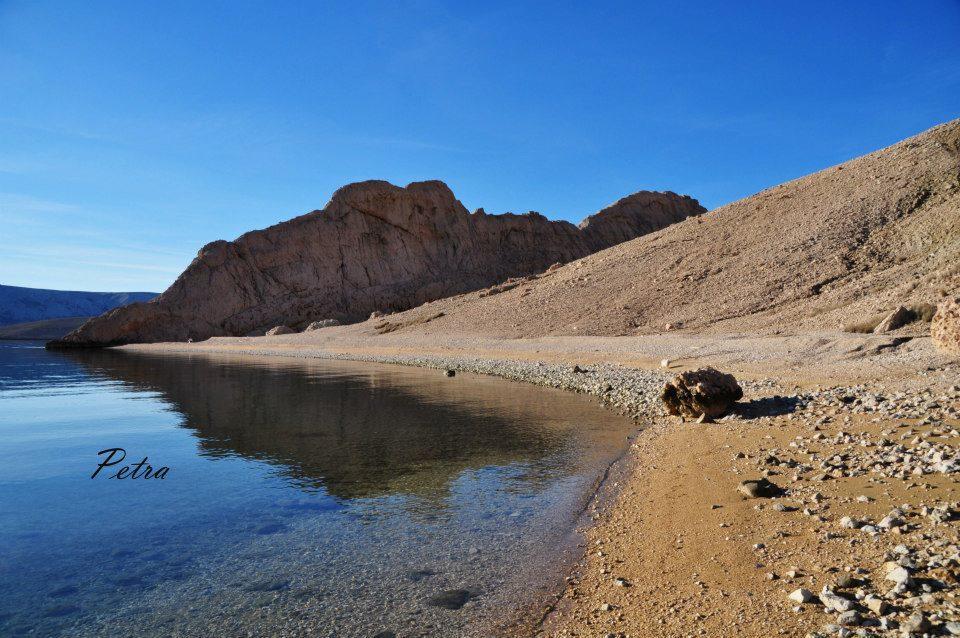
column 132, row 133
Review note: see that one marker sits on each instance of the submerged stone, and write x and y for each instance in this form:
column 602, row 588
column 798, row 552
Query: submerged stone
column 450, row 599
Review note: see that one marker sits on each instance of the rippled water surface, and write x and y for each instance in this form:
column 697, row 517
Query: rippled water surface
column 303, row 497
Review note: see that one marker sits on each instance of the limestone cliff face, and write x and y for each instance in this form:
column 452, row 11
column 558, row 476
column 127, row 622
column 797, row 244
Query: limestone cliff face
column 375, row 246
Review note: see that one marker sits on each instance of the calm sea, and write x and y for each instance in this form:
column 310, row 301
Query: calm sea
column 303, row 498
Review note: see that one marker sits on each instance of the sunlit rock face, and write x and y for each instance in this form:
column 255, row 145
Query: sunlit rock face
column 374, row 247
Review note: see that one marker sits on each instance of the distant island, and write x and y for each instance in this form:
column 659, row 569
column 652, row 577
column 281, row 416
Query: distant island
column 38, row 313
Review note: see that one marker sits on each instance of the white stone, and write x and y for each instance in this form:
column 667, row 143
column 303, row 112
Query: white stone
column 834, row 602
column 848, row 523
column 899, row 575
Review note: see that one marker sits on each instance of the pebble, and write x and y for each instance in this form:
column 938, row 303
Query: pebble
column 848, row 618
column 925, row 571
column 916, row 624
column 877, row 605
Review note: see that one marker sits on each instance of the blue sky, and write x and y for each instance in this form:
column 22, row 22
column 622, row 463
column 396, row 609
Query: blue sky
column 135, row 132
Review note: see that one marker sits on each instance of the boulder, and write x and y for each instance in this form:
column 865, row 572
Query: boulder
column 759, row 488
column 703, row 392
column 897, row 318
column 945, row 326
column 280, row 330
column 373, row 247
column 316, row 325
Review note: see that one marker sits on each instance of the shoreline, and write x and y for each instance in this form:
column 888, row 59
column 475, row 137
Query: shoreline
column 594, row 380
column 532, row 618
column 801, row 359
column 637, row 536
column 528, row 617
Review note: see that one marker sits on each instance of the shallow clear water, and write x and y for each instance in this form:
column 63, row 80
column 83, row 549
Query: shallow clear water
column 302, row 498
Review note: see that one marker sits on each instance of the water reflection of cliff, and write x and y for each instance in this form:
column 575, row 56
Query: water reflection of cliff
column 354, row 431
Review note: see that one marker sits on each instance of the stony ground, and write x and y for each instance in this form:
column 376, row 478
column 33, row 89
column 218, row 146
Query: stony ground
column 816, row 357
column 863, row 541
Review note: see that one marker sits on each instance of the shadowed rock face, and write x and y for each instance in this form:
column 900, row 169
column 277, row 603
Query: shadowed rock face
column 375, row 246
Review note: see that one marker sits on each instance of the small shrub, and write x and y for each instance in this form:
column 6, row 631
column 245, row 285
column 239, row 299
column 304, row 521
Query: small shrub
column 865, row 326
column 922, row 311
column 919, row 311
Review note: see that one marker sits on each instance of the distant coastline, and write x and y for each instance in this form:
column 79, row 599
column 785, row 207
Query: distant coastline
column 20, row 305
column 42, row 330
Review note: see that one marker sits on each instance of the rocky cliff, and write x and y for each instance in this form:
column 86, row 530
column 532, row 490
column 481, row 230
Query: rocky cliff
column 374, row 247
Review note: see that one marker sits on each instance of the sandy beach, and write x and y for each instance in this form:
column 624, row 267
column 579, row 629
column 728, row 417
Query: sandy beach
column 671, row 547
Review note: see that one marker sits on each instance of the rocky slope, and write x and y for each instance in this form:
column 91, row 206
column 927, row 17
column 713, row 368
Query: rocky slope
column 20, row 305
column 843, row 245
column 374, row 247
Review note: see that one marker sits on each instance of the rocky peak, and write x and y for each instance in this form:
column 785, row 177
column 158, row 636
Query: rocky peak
column 635, row 215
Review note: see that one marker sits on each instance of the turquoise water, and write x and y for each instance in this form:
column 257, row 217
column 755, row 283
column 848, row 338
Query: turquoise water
column 302, row 498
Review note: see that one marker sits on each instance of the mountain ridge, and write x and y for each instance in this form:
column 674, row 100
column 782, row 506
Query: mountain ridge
column 19, row 304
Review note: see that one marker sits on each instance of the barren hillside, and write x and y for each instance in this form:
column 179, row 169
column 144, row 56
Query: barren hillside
column 819, row 252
